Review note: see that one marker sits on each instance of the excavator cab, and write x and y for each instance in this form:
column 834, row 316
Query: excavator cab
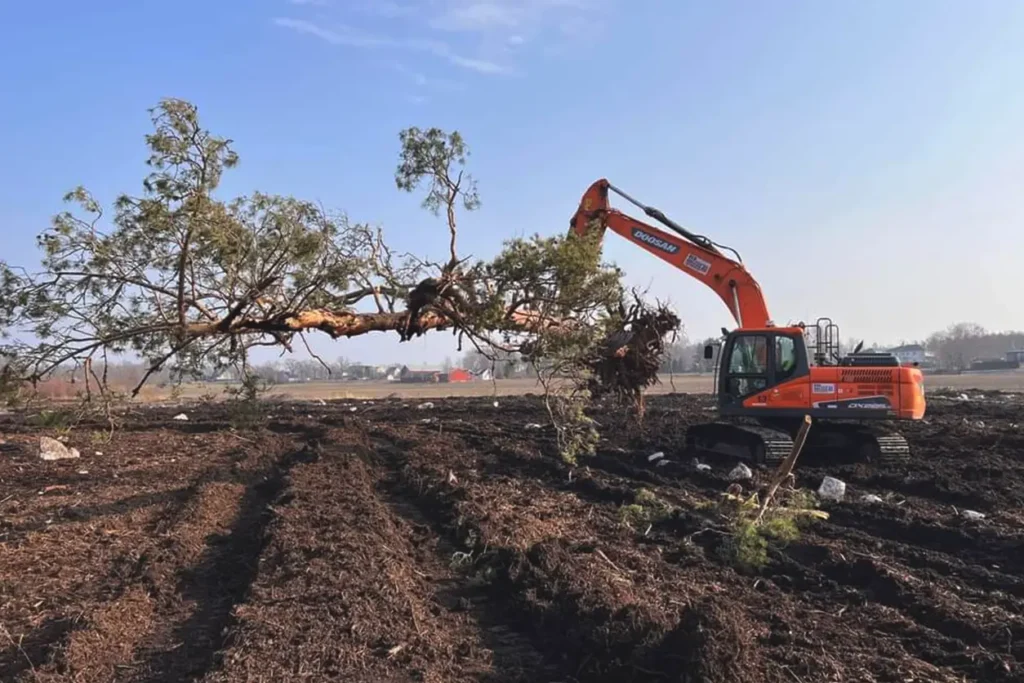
column 753, row 362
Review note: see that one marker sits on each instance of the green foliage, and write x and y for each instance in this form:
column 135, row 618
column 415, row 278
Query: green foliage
column 646, row 509
column 575, row 431
column 177, row 274
column 430, row 155
column 59, row 419
column 750, row 538
column 747, row 548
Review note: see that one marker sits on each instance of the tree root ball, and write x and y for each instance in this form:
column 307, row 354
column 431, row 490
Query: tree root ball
column 627, row 360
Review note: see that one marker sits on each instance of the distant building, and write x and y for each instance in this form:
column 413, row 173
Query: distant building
column 434, row 375
column 366, row 372
column 422, row 376
column 910, row 354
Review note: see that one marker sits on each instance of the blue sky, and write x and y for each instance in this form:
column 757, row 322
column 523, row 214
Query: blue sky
column 865, row 158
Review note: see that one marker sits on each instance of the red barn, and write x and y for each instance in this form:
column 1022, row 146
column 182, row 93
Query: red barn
column 458, row 375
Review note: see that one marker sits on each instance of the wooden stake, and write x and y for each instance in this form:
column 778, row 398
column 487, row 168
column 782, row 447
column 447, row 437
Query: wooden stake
column 787, row 465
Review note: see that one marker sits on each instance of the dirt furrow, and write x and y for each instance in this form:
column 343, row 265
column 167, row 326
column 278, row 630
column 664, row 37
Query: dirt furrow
column 360, row 590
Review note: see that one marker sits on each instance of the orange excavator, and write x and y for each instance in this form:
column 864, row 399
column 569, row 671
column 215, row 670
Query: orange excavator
column 768, row 378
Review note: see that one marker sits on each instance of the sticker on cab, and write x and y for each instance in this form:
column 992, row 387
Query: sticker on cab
column 819, row 388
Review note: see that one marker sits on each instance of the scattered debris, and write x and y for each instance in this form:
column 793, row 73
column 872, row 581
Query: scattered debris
column 425, row 406
column 51, row 449
column 832, row 489
column 870, row 498
column 655, row 456
column 181, row 417
column 740, row 472
column 452, row 478
column 530, row 426
column 972, row 515
column 353, row 409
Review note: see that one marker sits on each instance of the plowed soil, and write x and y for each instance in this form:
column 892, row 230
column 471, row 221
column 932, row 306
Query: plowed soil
column 383, row 541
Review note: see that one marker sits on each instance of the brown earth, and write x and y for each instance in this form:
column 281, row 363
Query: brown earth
column 392, row 543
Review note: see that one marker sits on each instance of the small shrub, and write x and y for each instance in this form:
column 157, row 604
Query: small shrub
column 750, row 538
column 747, row 548
column 646, row 509
column 576, row 432
column 246, row 409
column 646, row 497
column 53, row 419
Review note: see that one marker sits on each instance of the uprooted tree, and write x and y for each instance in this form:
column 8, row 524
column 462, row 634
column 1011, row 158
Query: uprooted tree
column 188, row 281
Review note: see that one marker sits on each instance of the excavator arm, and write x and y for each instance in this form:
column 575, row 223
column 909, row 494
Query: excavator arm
column 695, row 255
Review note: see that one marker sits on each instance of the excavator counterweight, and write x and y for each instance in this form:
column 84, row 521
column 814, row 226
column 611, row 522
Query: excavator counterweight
column 769, row 378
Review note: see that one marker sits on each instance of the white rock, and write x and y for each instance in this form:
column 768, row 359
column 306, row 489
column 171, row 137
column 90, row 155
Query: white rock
column 495, row 404
column 703, row 467
column 353, row 409
column 532, row 426
column 655, row 456
column 426, row 421
column 99, row 452
column 832, row 489
column 425, row 406
column 181, row 417
column 963, row 397
column 663, row 462
column 51, row 449
column 972, row 515
column 739, row 472
column 870, row 498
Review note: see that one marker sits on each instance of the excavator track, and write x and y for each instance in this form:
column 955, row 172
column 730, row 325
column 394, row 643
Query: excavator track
column 753, row 443
column 884, row 447
column 770, row 446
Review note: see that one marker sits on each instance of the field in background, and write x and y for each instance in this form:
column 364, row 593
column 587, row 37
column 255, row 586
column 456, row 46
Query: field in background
column 689, row 384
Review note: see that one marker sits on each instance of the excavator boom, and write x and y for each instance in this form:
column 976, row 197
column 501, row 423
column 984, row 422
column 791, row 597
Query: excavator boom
column 694, row 254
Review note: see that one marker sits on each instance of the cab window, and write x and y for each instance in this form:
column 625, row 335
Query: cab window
column 785, row 356
column 749, row 355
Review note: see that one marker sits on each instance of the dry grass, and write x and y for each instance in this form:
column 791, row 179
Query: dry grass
column 688, row 384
